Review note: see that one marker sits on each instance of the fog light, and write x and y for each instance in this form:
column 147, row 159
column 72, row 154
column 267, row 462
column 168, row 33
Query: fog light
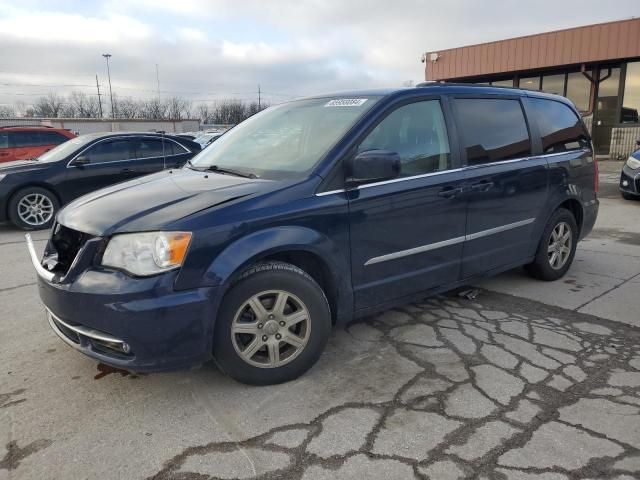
column 625, row 183
column 125, row 347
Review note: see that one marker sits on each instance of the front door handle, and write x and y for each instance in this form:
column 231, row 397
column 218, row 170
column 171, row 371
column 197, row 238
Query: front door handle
column 450, row 192
column 126, row 171
column 482, row 186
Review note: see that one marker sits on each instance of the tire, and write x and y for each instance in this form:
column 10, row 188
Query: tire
column 628, row 196
column 45, row 206
column 541, row 267
column 285, row 294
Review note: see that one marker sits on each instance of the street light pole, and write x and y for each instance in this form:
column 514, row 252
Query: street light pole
column 107, row 56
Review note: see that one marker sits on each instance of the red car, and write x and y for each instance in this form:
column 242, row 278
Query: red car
column 25, row 142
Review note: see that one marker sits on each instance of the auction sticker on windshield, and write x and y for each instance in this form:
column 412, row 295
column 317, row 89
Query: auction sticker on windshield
column 346, row 102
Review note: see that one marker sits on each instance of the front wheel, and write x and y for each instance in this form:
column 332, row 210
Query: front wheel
column 557, row 247
column 33, row 208
column 272, row 326
column 628, row 196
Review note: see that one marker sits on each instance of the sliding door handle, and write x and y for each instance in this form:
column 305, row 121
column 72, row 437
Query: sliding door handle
column 450, row 192
column 482, row 186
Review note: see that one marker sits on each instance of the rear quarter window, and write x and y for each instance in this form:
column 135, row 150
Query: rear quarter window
column 493, row 129
column 561, row 130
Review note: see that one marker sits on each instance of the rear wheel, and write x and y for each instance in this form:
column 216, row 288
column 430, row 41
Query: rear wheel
column 272, row 326
column 557, row 247
column 33, row 208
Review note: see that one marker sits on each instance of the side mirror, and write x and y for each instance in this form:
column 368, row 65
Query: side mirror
column 81, row 161
column 373, row 166
column 638, row 142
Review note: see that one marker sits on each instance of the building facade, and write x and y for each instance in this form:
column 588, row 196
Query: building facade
column 596, row 66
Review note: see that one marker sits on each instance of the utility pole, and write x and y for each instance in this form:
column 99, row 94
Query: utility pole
column 107, row 56
column 158, row 80
column 99, row 97
column 259, row 99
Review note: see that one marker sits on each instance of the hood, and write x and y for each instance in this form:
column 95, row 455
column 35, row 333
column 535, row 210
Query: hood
column 154, row 201
column 22, row 166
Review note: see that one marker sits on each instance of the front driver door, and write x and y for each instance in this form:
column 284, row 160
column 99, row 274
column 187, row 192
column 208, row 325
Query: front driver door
column 407, row 233
column 110, row 161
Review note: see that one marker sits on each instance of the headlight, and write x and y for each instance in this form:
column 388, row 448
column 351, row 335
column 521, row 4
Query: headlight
column 633, row 163
column 147, row 253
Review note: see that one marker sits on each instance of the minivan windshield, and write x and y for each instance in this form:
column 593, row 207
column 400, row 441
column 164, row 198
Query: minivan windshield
column 65, row 149
column 284, row 141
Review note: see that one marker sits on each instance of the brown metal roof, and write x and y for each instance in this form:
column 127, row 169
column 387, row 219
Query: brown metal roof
column 591, row 43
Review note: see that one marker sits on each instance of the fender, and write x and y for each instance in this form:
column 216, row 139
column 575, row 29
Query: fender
column 263, row 243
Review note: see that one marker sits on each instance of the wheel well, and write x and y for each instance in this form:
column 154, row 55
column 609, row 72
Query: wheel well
column 574, row 207
column 318, row 269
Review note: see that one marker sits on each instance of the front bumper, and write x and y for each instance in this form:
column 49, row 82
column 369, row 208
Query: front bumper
column 137, row 324
column 629, row 181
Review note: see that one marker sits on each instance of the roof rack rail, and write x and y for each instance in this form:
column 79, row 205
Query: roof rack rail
column 26, row 126
column 431, row 83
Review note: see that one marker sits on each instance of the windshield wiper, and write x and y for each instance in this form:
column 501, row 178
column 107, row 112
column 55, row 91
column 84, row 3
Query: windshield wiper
column 229, row 171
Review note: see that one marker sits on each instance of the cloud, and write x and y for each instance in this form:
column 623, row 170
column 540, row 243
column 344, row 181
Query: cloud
column 208, row 49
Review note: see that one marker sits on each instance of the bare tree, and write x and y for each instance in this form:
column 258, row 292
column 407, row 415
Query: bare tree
column 153, row 109
column 7, row 111
column 83, row 105
column 127, row 107
column 178, row 108
column 48, row 106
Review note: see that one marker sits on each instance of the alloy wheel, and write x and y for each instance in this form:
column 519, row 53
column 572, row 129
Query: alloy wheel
column 271, row 329
column 559, row 247
column 35, row 209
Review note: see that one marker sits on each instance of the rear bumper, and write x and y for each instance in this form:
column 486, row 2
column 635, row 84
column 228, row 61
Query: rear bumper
column 141, row 325
column 590, row 212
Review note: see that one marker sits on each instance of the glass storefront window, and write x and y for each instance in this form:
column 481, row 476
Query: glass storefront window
column 579, row 90
column 503, row 83
column 530, row 83
column 553, row 84
column 631, row 98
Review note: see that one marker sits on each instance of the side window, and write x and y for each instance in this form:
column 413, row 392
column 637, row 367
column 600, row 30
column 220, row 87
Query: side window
column 25, row 139
column 560, row 128
column 177, row 149
column 417, row 132
column 4, row 140
column 152, row 147
column 51, row 138
column 492, row 129
column 110, row 151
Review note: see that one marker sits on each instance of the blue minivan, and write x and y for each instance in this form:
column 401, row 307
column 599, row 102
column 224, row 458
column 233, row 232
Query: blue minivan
column 315, row 212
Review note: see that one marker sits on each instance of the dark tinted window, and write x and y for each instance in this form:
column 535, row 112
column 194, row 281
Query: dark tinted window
column 151, row 147
column 25, row 139
column 4, row 140
column 416, row 132
column 110, row 151
column 492, row 129
column 560, row 128
column 52, row 138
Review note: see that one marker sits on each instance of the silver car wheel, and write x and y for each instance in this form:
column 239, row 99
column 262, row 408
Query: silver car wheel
column 559, row 247
column 35, row 209
column 271, row 329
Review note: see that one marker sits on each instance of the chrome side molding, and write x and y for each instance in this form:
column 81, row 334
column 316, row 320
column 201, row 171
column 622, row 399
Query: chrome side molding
column 447, row 243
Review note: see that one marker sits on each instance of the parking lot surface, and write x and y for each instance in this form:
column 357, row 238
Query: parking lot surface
column 529, row 380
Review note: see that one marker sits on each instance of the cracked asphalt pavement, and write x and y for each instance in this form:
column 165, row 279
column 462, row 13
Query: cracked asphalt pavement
column 528, row 381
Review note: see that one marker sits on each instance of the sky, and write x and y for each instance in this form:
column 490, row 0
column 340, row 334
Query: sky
column 207, row 50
